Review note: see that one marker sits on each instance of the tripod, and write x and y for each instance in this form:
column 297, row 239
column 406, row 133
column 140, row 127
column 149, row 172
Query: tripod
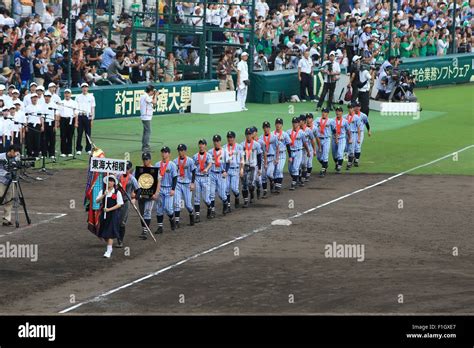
column 17, row 198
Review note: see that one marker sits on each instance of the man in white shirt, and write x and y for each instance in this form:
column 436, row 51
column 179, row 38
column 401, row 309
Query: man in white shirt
column 305, row 76
column 16, row 98
column 147, row 104
column 20, row 123
column 51, row 121
column 86, row 114
column 364, row 37
column 364, row 86
column 27, row 98
column 68, row 121
column 82, row 27
column 242, row 80
column 35, row 127
column 262, row 8
column 52, row 88
column 48, row 17
column 331, row 72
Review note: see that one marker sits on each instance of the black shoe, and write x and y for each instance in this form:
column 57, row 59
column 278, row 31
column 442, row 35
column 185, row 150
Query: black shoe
column 265, row 194
column 173, row 224
column 224, row 209
column 143, row 235
column 176, row 224
column 246, row 204
column 159, row 230
column 277, row 190
column 209, row 214
column 6, row 223
column 338, row 170
column 252, row 200
column 197, row 219
column 322, row 173
column 119, row 244
column 301, row 184
column 228, row 210
column 258, row 194
column 292, row 187
column 191, row 220
column 237, row 203
column 356, row 163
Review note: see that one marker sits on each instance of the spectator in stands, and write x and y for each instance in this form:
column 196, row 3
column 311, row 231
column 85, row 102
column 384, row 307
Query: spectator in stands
column 113, row 71
column 109, row 55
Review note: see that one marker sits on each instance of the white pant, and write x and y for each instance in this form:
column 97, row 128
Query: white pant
column 242, row 96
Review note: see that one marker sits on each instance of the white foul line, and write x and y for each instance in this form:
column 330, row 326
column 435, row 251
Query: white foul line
column 255, row 231
column 57, row 216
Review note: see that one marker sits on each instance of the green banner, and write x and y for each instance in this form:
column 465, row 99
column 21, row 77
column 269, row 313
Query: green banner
column 124, row 100
column 434, row 71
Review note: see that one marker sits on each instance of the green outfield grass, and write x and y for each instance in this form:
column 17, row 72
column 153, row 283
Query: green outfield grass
column 446, row 124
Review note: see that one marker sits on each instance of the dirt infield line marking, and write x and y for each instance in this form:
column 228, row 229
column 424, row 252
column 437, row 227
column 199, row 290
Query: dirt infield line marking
column 255, row 231
column 57, row 216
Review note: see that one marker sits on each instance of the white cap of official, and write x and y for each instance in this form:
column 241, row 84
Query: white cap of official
column 84, row 84
column 67, row 90
column 51, row 84
column 48, row 94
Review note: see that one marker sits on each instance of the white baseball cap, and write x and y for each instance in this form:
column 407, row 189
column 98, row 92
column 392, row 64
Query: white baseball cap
column 16, row 91
column 51, row 84
column 67, row 90
column 244, row 54
column 356, row 58
column 332, row 53
column 2, row 87
column 34, row 95
column 84, row 84
column 40, row 88
column 48, row 94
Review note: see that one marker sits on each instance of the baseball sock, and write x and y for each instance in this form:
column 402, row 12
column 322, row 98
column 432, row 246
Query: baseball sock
column 357, row 155
column 197, row 209
column 264, row 185
column 308, row 172
column 245, row 193
column 109, row 248
column 159, row 218
column 228, row 199
column 176, row 215
column 213, row 206
column 252, row 193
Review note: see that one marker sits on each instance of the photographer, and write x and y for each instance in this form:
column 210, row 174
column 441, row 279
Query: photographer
column 5, row 178
column 364, row 87
column 331, row 71
column 147, row 104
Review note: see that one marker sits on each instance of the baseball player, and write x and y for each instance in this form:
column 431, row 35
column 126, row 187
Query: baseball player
column 270, row 145
column 203, row 163
column 323, row 133
column 354, row 125
column 185, row 184
column 340, row 129
column 258, row 173
column 283, row 141
column 218, row 175
column 168, row 175
column 307, row 157
column 311, row 128
column 235, row 161
column 295, row 150
column 252, row 163
column 364, row 120
column 145, row 203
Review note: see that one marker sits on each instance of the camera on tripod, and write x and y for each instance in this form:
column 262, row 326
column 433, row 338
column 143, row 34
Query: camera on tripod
column 17, row 163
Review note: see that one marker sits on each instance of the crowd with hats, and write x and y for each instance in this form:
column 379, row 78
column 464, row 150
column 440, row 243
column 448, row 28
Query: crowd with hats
column 245, row 170
column 31, row 119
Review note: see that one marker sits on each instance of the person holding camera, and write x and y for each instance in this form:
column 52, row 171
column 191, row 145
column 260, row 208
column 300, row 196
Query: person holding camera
column 331, row 72
column 147, row 104
column 364, row 86
column 5, row 178
column 242, row 80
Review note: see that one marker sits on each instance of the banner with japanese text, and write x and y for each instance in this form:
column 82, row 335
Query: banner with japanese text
column 434, row 71
column 124, row 100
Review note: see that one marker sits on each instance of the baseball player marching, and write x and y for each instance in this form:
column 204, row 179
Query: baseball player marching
column 283, row 141
column 235, row 162
column 168, row 175
column 252, row 163
column 203, row 163
column 354, row 126
column 364, row 120
column 218, row 175
column 307, row 161
column 145, row 203
column 270, row 145
column 310, row 128
column 340, row 129
column 323, row 133
column 185, row 184
column 295, row 150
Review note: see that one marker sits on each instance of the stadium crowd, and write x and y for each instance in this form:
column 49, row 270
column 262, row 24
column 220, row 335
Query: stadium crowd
column 33, row 47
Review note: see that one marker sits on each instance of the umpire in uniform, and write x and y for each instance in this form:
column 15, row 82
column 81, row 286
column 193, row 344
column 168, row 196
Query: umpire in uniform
column 305, row 76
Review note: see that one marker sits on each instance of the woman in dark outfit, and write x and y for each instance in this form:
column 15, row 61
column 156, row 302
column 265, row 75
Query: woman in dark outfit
column 110, row 217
